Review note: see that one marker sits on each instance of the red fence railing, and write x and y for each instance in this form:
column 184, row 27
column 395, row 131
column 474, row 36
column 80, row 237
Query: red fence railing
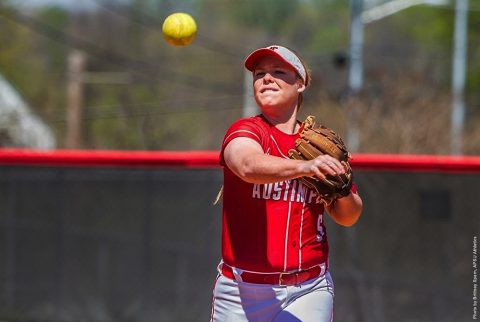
column 209, row 159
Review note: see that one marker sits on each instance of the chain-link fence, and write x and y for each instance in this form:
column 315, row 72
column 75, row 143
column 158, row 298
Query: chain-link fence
column 142, row 244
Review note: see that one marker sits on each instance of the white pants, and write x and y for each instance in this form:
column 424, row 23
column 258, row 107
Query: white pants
column 311, row 301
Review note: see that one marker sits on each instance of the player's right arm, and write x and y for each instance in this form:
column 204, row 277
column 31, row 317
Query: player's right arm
column 245, row 157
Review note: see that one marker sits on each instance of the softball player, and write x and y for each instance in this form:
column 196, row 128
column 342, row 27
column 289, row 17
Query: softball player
column 274, row 245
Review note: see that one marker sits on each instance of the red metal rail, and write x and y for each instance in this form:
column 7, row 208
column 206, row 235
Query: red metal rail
column 422, row 163
column 209, row 159
column 106, row 158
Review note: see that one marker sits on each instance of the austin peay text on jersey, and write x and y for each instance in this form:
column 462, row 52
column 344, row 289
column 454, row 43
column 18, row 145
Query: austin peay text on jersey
column 289, row 190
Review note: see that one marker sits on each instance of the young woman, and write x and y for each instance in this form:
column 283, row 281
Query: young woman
column 274, row 245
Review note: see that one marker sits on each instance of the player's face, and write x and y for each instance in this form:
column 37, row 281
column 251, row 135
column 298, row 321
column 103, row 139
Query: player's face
column 275, row 83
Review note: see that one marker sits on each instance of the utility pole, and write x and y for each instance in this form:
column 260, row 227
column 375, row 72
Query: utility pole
column 458, row 76
column 76, row 66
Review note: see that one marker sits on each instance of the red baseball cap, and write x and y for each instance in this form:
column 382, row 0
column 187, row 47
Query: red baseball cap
column 281, row 52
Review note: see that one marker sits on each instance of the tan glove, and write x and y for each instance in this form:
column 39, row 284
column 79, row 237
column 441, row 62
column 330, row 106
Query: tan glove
column 315, row 141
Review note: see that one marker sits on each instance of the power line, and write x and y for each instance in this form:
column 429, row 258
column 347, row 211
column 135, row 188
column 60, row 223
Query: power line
column 143, row 113
column 145, row 69
column 155, row 104
column 148, row 21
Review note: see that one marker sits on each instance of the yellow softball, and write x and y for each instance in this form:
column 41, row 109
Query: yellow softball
column 179, row 29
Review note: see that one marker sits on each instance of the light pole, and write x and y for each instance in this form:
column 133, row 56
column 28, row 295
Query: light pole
column 250, row 108
column 458, row 76
column 355, row 73
column 355, row 79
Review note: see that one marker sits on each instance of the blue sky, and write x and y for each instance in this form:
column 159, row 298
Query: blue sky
column 44, row 2
column 69, row 4
column 90, row 4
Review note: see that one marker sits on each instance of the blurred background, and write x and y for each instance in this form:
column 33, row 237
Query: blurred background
column 106, row 62
column 107, row 244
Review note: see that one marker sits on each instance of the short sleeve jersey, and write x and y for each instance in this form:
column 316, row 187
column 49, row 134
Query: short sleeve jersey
column 274, row 227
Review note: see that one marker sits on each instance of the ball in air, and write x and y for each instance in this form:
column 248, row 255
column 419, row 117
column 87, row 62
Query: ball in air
column 179, row 29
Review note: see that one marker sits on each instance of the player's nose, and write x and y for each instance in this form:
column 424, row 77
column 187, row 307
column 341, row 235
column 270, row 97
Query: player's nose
column 267, row 78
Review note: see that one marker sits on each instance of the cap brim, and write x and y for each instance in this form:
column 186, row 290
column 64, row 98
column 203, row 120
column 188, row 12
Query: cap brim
column 258, row 54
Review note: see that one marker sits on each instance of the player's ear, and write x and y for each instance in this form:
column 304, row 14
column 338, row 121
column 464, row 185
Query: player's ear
column 300, row 86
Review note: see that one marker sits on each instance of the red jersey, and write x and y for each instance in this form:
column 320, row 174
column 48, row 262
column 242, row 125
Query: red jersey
column 275, row 227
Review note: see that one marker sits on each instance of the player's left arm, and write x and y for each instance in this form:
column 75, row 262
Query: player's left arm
column 347, row 210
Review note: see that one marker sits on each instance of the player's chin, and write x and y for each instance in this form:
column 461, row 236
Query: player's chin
column 268, row 95
column 268, row 102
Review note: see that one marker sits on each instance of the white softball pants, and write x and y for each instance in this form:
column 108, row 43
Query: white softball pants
column 311, row 301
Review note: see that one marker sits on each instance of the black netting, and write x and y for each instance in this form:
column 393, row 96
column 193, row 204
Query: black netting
column 143, row 244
